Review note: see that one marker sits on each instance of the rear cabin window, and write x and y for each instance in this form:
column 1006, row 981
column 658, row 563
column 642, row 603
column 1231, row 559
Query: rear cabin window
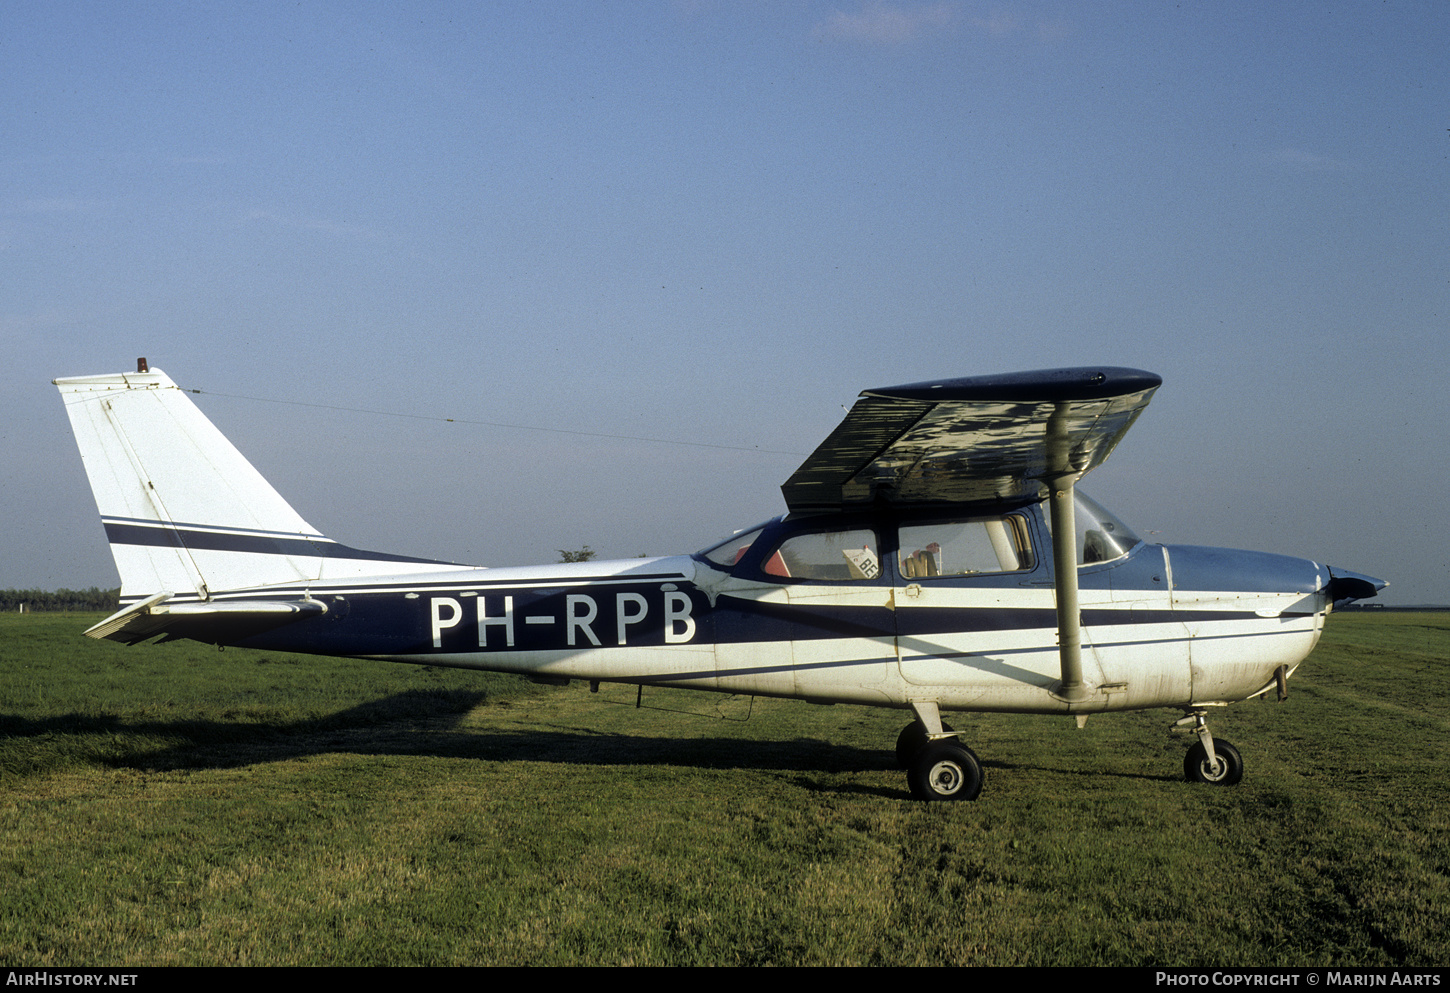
column 732, row 549
column 830, row 556
column 964, row 548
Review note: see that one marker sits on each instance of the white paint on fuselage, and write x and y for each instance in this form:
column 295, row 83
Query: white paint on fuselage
column 1128, row 665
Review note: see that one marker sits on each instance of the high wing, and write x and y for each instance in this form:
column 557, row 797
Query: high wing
column 980, row 440
column 1000, row 440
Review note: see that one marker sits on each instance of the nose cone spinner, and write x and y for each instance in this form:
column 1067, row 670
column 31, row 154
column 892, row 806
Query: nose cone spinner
column 1345, row 586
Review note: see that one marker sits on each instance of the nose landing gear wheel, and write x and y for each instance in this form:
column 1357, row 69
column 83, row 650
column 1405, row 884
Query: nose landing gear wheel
column 1228, row 771
column 944, row 770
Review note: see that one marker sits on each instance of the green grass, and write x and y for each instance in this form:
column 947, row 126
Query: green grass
column 171, row 804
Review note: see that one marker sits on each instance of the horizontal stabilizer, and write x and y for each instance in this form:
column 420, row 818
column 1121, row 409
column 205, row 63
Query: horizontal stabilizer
column 214, row 622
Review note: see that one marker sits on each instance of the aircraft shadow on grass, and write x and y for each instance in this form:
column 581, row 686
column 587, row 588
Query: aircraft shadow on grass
column 430, row 723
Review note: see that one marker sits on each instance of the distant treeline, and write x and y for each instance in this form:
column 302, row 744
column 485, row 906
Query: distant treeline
column 1392, row 607
column 39, row 600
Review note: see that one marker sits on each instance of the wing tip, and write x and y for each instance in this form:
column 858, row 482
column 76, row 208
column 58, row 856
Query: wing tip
column 1034, row 386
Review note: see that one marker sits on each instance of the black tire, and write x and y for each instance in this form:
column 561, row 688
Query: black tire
column 1230, row 764
column 912, row 740
column 944, row 770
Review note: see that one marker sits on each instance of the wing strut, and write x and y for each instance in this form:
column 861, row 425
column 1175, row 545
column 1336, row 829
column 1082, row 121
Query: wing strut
column 1061, row 503
column 1064, row 550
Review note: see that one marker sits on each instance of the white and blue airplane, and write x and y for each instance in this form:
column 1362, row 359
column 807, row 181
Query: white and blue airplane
column 917, row 568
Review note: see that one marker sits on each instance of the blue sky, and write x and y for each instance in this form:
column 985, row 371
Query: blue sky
column 715, row 222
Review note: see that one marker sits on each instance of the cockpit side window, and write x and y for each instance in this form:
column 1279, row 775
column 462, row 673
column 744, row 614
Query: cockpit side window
column 964, row 548
column 830, row 556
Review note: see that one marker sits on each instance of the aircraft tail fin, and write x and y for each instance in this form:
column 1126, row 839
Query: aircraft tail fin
column 184, row 511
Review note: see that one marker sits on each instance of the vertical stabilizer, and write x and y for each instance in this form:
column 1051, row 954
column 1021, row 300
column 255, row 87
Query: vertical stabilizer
column 183, row 510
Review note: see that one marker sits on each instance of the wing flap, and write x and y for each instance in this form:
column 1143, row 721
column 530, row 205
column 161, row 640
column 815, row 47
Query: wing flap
column 981, row 440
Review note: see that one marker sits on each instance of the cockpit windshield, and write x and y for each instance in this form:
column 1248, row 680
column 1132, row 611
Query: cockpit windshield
column 1101, row 537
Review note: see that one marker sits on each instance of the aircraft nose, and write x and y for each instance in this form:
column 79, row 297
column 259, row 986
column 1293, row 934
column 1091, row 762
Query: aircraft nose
column 1344, row 586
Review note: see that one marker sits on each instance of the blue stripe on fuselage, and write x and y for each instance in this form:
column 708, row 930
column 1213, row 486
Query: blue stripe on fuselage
column 597, row 612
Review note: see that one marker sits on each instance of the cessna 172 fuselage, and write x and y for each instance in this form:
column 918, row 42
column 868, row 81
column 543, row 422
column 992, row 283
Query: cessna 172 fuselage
column 915, row 571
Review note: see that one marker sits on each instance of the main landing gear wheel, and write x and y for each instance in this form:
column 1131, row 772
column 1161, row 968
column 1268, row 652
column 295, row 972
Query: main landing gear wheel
column 1228, row 771
column 911, row 741
column 945, row 770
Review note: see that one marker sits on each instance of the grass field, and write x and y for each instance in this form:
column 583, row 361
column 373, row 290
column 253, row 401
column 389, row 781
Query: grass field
column 171, row 804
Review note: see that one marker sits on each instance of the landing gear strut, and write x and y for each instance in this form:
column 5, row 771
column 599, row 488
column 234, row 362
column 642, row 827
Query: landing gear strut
column 1210, row 760
column 913, row 738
